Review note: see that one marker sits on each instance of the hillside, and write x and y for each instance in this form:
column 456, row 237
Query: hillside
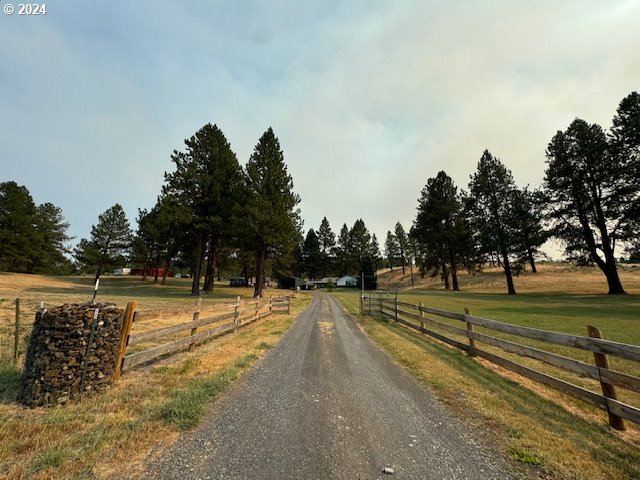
column 551, row 277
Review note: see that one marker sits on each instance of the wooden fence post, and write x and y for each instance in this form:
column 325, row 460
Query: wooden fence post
column 270, row 306
column 472, row 342
column 396, row 304
column 608, row 390
column 236, row 314
column 196, row 316
column 16, row 343
column 124, row 338
column 257, row 309
column 289, row 306
column 361, row 304
column 421, row 317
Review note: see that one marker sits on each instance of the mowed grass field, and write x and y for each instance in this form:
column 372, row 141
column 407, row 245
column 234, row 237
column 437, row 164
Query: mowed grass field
column 555, row 435
column 113, row 434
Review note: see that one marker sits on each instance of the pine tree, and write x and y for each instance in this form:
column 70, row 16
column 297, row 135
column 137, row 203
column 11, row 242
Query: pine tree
column 312, row 254
column 391, row 249
column 527, row 220
column 109, row 243
column 208, row 181
column 442, row 230
column 33, row 239
column 344, row 249
column 17, row 235
column 589, row 197
column 51, row 240
column 492, row 189
column 402, row 240
column 327, row 243
column 272, row 221
column 360, row 241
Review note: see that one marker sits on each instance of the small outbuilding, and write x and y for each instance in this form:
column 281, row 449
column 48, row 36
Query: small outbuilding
column 347, row 281
column 291, row 283
column 236, row 282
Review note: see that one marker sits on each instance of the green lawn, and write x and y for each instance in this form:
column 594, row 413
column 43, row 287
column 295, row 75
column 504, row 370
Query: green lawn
column 561, row 436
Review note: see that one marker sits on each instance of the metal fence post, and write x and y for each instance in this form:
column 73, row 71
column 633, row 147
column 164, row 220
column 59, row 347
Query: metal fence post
column 16, row 344
column 236, row 314
column 196, row 316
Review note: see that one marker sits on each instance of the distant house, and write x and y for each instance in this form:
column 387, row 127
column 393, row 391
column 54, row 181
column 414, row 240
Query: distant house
column 324, row 282
column 236, row 282
column 122, row 271
column 346, row 281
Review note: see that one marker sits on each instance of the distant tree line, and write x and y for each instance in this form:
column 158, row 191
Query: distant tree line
column 590, row 200
column 213, row 215
column 354, row 251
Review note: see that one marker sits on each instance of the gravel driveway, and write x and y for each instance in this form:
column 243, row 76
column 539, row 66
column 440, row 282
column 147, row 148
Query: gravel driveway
column 326, row 403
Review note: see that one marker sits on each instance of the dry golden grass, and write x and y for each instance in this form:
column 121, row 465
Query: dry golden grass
column 34, row 289
column 533, row 425
column 114, row 434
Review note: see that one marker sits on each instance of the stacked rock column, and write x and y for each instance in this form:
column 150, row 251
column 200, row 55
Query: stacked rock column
column 72, row 352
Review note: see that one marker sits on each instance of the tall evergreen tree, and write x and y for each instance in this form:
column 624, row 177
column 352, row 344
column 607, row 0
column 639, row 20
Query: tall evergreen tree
column 492, row 189
column 344, row 249
column 327, row 243
column 391, row 249
column 441, row 229
column 402, row 241
column 50, row 241
column 374, row 250
column 17, row 235
column 590, row 198
column 360, row 240
column 312, row 254
column 273, row 221
column 208, row 181
column 527, row 221
column 109, row 243
column 625, row 147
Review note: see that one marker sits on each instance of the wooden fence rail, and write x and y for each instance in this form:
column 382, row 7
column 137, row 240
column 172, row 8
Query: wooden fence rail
column 206, row 323
column 413, row 316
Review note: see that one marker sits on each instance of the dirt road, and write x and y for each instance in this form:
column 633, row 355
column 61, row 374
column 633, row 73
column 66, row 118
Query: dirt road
column 327, row 404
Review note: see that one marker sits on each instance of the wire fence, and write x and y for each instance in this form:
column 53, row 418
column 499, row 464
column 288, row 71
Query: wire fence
column 16, row 321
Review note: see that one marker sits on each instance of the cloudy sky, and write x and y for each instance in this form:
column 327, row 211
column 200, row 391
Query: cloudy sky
column 369, row 98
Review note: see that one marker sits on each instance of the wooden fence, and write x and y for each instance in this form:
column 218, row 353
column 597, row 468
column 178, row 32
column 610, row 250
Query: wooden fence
column 140, row 343
column 424, row 319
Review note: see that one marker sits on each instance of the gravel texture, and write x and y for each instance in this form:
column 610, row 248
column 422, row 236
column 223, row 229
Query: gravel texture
column 326, row 403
